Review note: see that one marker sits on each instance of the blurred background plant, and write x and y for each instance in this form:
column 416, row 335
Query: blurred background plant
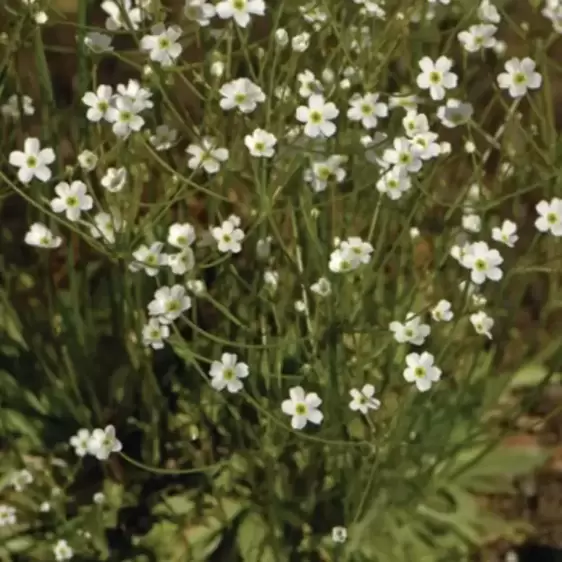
column 199, row 474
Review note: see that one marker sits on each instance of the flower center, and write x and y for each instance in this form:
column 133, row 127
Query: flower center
column 71, row 201
column 366, row 109
column 315, row 117
column 172, row 306
column 228, row 374
column 227, row 238
column 300, row 409
column 419, row 372
column 240, row 98
column 126, row 116
column 404, row 158
column 155, row 334
column 103, row 106
column 31, row 161
column 519, row 78
column 409, row 332
column 151, row 259
column 435, row 77
column 552, row 218
column 480, row 264
column 260, row 146
column 164, row 43
column 239, row 4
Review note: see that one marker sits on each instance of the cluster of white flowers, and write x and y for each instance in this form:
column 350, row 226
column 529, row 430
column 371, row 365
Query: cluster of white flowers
column 350, row 254
column 100, row 442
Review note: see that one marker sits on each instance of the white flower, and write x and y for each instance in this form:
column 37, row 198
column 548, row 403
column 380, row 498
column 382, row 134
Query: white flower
column 99, row 103
column 483, row 263
column 125, row 117
column 7, row 515
column 454, row 113
column 87, row 160
column 550, row 216
column 322, row 287
column 163, row 138
column 488, row 12
column 421, row 370
column 98, row 42
column 181, row 235
column 472, row 223
column 103, row 442
column 114, row 179
column 261, row 143
column 169, row 303
column 20, row 479
column 520, row 75
column 12, row 107
column 136, row 94
column 182, row 262
column 149, row 259
column 415, row 123
column 227, row 373
column 163, row 44
column 478, row 37
column 364, row 400
column 228, row 237
column 80, row 442
column 300, row 42
column 271, row 279
column 339, row 534
column 412, row 331
column 45, row 507
column 240, row 10
column 406, row 102
column 441, row 312
column 263, row 248
column 98, row 498
column 482, row 323
column 153, row 334
column 281, row 37
column 318, row 117
column 302, row 407
column 436, row 76
column 72, row 199
column 394, row 182
column 403, row 155
column 308, row 84
column 424, row 145
column 360, row 250
column 40, row 236
column 242, row 94
column 106, row 225
column 113, row 8
column 62, row 551
column 33, row 162
column 206, row 156
column 367, row 109
column 196, row 286
column 200, row 11
column 506, row 234
column 324, row 172
column 553, row 11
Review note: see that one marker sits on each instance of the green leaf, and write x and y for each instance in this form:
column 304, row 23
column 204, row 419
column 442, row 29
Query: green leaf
column 254, row 540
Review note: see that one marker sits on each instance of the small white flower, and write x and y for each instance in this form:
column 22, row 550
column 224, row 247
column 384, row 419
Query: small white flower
column 412, row 331
column 7, row 515
column 99, row 103
column 322, row 287
column 227, row 373
column 271, row 279
column 261, row 143
column 550, row 216
column 62, row 551
column 322, row 173
column 442, row 312
column 181, row 235
column 149, row 259
column 242, row 94
column 482, row 323
column 403, row 155
column 367, row 109
column 40, row 236
column 454, row 113
column 164, row 138
column 394, row 182
column 98, row 42
column 114, row 179
column 415, row 123
column 421, row 370
column 506, row 234
column 339, row 534
column 483, row 263
column 228, row 237
column 98, row 498
column 138, row 96
column 478, row 37
column 169, row 303
column 196, row 286
column 436, row 76
column 12, row 107
column 424, row 145
column 364, row 399
column 106, row 225
column 302, row 407
column 300, row 42
column 281, row 37
column 87, row 160
column 33, row 162
column 520, row 76
column 308, row 84
column 263, row 248
column 154, row 333
column 125, row 117
column 45, row 507
column 80, row 442
column 103, row 442
column 72, row 200
column 318, row 116
column 115, row 8
column 162, row 44
column 488, row 12
column 200, row 11
column 207, row 156
column 408, row 103
column 240, row 10
column 182, row 262
column 472, row 223
column 20, row 479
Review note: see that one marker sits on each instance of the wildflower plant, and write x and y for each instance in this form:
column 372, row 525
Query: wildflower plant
column 267, row 209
